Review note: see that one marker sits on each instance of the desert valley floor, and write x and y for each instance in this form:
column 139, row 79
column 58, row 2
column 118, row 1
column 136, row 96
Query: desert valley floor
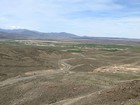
column 39, row 72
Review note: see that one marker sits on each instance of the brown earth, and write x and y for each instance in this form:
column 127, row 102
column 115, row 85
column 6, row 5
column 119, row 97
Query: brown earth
column 35, row 75
column 126, row 93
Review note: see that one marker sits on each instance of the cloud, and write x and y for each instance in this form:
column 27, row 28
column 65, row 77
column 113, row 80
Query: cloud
column 15, row 27
column 83, row 17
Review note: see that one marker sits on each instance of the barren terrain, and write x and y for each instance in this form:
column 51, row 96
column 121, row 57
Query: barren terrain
column 36, row 72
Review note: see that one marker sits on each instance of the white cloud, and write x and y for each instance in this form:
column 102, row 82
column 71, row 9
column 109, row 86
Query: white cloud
column 14, row 27
column 121, row 27
column 55, row 15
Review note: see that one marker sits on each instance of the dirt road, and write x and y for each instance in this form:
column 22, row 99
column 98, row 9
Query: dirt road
column 64, row 67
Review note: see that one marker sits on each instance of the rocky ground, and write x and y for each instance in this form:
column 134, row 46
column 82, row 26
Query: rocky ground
column 34, row 75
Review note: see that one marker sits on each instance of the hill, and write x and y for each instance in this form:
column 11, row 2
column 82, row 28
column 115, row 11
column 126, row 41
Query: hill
column 18, row 34
column 29, row 34
column 127, row 93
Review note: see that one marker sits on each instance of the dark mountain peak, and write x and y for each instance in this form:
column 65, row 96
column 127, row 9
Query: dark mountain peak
column 30, row 34
column 20, row 31
column 62, row 34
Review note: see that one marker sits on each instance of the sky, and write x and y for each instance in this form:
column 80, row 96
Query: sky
column 100, row 18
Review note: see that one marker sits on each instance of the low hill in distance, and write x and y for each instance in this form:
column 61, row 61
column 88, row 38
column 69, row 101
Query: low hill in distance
column 28, row 34
column 31, row 35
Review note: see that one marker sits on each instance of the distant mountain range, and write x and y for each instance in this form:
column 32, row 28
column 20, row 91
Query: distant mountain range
column 29, row 34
